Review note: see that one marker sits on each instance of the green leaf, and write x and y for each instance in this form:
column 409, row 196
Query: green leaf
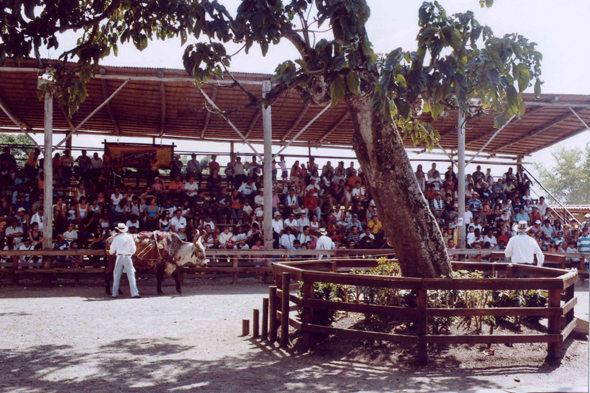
column 499, row 120
column 512, row 98
column 524, row 77
column 436, row 110
column 401, row 80
column 538, row 84
column 337, row 91
column 353, row 81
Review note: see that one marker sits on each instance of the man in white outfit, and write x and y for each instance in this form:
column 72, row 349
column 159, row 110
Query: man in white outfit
column 324, row 242
column 521, row 248
column 124, row 246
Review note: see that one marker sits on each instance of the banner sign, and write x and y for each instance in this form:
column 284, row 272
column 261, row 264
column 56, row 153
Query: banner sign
column 138, row 155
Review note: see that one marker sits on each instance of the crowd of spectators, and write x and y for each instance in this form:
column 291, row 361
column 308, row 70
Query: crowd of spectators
column 226, row 207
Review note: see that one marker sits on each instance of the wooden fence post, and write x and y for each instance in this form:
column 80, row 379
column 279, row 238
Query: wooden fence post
column 422, row 326
column 285, row 309
column 272, row 305
column 569, row 295
column 554, row 348
column 265, row 318
column 307, row 311
column 509, row 272
column 15, row 267
column 76, row 266
column 235, row 266
column 245, row 327
column 255, row 323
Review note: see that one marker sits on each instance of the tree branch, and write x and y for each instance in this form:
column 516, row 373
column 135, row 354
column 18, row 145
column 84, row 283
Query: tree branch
column 95, row 21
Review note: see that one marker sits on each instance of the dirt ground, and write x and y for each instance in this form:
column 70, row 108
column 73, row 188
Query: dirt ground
column 66, row 339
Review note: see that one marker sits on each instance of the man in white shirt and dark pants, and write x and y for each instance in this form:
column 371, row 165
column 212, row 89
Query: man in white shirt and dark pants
column 324, row 242
column 124, row 246
column 522, row 248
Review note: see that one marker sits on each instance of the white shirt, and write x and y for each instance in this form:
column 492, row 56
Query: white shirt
column 176, row 222
column 191, row 189
column 259, row 200
column 223, row 237
column 521, row 248
column 277, row 226
column 130, row 224
column 123, row 244
column 287, row 240
column 38, row 219
column 324, row 243
column 358, row 192
column 292, row 223
column 116, row 199
column 10, row 230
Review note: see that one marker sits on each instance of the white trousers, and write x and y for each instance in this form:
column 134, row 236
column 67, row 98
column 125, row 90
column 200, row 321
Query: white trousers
column 124, row 262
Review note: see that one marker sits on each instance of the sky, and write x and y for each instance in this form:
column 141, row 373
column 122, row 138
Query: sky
column 558, row 27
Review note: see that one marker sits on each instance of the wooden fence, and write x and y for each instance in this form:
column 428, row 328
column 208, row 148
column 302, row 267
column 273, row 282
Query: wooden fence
column 87, row 263
column 558, row 282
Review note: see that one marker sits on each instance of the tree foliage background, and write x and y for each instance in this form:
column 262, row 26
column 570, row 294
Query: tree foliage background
column 569, row 179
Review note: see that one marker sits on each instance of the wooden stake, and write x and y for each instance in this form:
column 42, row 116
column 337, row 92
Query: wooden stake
column 265, row 318
column 256, row 323
column 285, row 310
column 245, row 327
column 272, row 297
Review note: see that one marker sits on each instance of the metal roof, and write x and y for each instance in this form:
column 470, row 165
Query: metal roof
column 166, row 103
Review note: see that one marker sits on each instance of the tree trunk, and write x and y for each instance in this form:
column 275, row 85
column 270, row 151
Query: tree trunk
column 403, row 210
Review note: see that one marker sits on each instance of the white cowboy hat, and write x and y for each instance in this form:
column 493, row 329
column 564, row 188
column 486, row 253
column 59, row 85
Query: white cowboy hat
column 323, row 231
column 522, row 226
column 587, row 215
column 121, row 227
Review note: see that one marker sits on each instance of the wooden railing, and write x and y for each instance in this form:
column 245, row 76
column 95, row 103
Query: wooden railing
column 558, row 282
column 233, row 262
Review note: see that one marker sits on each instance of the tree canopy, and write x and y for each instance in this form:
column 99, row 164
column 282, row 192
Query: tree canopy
column 457, row 63
column 456, row 60
column 569, row 179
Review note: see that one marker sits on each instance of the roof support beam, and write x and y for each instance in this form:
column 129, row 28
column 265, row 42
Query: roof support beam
column 210, row 101
column 18, row 122
column 163, row 102
column 105, row 94
column 302, row 130
column 295, row 123
column 493, row 132
column 535, row 132
column 253, row 122
column 490, row 140
column 69, row 135
column 334, row 127
column 208, row 116
column 579, row 118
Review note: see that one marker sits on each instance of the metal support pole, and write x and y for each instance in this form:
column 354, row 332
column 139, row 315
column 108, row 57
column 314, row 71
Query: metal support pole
column 461, row 176
column 48, row 180
column 267, row 170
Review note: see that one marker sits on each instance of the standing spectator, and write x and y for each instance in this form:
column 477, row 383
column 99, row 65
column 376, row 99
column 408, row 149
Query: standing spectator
column 239, row 172
column 584, row 246
column 222, row 205
column 193, row 168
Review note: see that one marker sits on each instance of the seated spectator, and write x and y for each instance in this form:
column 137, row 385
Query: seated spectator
column 14, row 233
column 133, row 223
column 277, row 223
column 164, row 221
column 310, row 204
column 224, row 237
column 151, row 215
column 177, row 221
column 367, row 239
column 176, row 190
column 71, row 234
column 214, row 182
column 35, row 236
column 37, row 218
column 287, row 239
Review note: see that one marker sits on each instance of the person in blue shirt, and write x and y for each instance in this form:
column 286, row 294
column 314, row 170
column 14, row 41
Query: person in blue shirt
column 522, row 216
column 584, row 245
column 474, row 203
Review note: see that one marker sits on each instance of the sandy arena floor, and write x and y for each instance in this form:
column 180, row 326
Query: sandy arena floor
column 65, row 339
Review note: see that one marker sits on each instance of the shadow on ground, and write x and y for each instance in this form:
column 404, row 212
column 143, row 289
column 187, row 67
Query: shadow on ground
column 166, row 366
